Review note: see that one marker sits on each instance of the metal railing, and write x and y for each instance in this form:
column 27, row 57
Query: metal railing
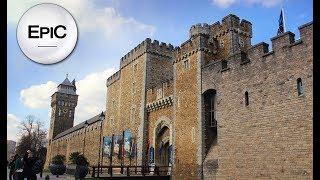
column 114, row 171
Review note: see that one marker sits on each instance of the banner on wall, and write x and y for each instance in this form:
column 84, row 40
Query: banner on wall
column 106, row 146
column 116, row 144
column 133, row 150
column 127, row 143
column 151, row 155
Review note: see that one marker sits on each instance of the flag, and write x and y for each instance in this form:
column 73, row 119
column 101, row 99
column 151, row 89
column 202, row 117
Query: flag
column 281, row 23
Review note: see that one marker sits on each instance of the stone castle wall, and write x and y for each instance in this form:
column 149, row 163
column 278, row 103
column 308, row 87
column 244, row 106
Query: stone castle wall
column 272, row 136
column 269, row 138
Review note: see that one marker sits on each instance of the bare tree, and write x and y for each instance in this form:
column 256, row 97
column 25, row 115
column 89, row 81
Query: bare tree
column 33, row 135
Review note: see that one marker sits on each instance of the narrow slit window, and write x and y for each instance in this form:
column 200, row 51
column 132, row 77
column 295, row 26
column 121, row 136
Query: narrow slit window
column 186, row 64
column 247, row 98
column 300, row 86
column 224, row 64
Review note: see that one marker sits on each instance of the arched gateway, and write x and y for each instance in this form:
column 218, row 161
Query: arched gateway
column 162, row 142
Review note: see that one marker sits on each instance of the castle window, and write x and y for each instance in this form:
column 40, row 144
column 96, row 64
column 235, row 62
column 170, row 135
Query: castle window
column 135, row 68
column 224, row 64
column 62, row 103
column 186, row 64
column 113, row 103
column 246, row 94
column 111, row 121
column 300, row 87
column 244, row 58
column 70, row 113
column 133, row 87
column 59, row 113
column 159, row 93
column 59, row 103
column 132, row 114
column 221, row 44
column 241, row 43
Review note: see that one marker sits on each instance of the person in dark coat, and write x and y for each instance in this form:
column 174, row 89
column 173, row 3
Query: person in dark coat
column 28, row 162
column 12, row 165
column 18, row 169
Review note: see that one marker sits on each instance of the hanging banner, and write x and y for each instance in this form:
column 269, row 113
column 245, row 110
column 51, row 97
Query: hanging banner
column 133, row 150
column 106, row 146
column 151, row 155
column 127, row 143
column 116, row 144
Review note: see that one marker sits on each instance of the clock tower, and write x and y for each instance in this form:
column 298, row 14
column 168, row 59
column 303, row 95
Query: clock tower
column 63, row 104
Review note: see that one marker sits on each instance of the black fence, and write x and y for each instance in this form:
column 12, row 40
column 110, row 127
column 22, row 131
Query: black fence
column 126, row 171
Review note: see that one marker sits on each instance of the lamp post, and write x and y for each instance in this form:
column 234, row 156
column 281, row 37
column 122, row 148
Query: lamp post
column 101, row 118
column 84, row 141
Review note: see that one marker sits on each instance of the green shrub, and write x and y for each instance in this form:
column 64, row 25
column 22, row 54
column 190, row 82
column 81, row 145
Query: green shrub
column 82, row 161
column 58, row 159
column 73, row 157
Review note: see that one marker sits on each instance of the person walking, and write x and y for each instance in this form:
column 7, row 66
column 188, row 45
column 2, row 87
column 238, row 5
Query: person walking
column 28, row 164
column 18, row 169
column 12, row 165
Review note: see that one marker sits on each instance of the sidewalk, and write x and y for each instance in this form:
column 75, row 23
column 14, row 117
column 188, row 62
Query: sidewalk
column 54, row 177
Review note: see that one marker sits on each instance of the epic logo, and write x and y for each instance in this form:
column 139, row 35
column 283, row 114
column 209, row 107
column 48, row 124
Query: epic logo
column 45, row 30
column 47, row 33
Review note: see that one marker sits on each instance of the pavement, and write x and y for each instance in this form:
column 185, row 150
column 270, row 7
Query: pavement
column 51, row 177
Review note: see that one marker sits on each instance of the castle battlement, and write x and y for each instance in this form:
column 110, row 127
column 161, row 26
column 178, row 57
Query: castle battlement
column 194, row 45
column 284, row 40
column 113, row 78
column 281, row 45
column 199, row 29
column 231, row 23
column 154, row 47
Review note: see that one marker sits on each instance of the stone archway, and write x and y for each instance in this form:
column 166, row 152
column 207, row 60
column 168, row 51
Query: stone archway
column 162, row 147
column 162, row 143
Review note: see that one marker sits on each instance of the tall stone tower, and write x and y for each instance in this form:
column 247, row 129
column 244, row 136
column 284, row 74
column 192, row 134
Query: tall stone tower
column 63, row 104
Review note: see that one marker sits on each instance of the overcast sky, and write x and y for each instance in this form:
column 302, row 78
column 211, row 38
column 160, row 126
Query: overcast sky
column 108, row 29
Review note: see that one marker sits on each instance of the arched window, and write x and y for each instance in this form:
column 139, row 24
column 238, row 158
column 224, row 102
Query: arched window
column 246, row 94
column 299, row 86
column 210, row 119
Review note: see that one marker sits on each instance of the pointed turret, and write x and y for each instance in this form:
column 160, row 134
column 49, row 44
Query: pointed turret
column 67, row 87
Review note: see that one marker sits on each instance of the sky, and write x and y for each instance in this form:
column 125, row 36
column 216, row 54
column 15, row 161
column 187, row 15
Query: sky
column 108, row 29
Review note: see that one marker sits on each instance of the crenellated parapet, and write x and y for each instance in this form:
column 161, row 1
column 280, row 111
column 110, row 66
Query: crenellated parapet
column 193, row 45
column 284, row 40
column 197, row 29
column 231, row 23
column 147, row 46
column 113, row 78
column 282, row 45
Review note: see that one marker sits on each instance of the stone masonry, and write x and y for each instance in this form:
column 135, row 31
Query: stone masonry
column 215, row 107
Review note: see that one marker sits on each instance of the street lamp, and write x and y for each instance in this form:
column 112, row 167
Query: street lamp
column 101, row 118
column 84, row 141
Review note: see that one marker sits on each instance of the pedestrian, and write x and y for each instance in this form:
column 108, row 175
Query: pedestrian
column 12, row 165
column 18, row 169
column 29, row 161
